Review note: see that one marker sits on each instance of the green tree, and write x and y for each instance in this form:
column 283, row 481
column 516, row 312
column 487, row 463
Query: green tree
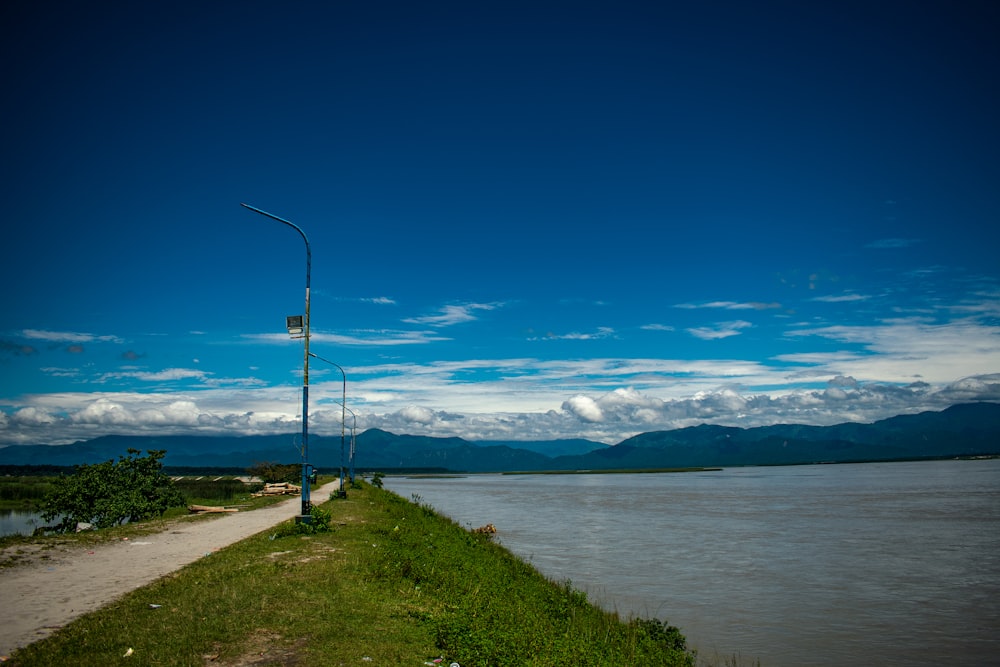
column 277, row 472
column 112, row 493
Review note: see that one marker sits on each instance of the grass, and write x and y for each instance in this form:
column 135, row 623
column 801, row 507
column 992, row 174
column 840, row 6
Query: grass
column 24, row 492
column 392, row 584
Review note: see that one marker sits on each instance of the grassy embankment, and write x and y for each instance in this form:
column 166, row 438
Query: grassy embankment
column 393, row 584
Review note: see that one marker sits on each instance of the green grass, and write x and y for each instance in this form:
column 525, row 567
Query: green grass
column 392, row 584
column 24, row 492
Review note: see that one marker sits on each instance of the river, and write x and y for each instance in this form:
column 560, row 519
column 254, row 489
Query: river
column 877, row 563
column 19, row 522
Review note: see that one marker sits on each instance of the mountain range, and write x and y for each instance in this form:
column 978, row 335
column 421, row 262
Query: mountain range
column 971, row 429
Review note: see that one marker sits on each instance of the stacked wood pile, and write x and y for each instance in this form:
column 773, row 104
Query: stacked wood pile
column 210, row 508
column 280, row 489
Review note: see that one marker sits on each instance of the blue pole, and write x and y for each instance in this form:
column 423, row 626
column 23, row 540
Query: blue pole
column 306, row 505
column 343, row 406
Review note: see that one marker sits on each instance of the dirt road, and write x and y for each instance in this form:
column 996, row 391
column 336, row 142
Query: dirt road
column 38, row 598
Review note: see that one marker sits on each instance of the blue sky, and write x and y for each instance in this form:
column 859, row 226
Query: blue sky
column 527, row 220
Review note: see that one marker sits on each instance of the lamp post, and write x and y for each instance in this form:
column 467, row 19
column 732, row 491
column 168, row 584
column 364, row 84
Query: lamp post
column 354, row 428
column 294, row 330
column 351, row 458
column 343, row 418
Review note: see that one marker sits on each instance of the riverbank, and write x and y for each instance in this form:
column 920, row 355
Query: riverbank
column 392, row 584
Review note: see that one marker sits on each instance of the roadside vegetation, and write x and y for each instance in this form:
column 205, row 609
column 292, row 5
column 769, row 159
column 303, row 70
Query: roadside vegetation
column 111, row 493
column 390, row 583
column 25, row 492
column 91, row 490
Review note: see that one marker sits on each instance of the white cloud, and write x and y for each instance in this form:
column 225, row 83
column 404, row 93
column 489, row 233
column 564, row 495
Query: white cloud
column 842, row 298
column 33, row 417
column 602, row 332
column 68, row 336
column 900, row 351
column 720, row 330
column 585, row 408
column 609, row 416
column 105, row 412
column 417, row 415
column 166, row 375
column 374, row 337
column 383, row 337
column 453, row 314
column 730, row 305
column 836, row 373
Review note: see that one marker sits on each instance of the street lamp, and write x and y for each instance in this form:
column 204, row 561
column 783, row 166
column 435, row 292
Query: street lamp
column 298, row 327
column 353, row 429
column 343, row 418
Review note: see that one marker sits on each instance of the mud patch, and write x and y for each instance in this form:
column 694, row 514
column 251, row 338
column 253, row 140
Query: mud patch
column 264, row 649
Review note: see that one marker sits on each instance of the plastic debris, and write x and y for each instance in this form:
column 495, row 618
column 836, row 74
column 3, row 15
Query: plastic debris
column 154, row 606
column 128, row 653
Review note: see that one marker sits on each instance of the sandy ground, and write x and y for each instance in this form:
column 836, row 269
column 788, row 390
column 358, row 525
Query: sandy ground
column 42, row 596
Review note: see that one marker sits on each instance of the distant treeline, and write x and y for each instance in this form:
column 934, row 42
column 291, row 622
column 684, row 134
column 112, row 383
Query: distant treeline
column 195, row 471
column 175, row 471
column 35, row 471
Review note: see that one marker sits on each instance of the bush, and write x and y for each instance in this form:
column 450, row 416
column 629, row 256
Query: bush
column 215, row 489
column 319, row 522
column 112, row 493
column 277, row 472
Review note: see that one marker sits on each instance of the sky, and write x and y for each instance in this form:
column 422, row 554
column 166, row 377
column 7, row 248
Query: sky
column 527, row 220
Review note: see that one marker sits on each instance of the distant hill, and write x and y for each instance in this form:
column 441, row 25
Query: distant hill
column 375, row 449
column 961, row 430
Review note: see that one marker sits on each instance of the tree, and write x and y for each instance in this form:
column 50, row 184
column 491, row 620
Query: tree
column 276, row 472
column 112, row 493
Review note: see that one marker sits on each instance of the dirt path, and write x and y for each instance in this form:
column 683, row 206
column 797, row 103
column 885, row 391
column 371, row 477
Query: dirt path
column 38, row 598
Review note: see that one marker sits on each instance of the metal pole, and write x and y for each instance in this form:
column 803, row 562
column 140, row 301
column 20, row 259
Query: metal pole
column 351, row 456
column 306, row 505
column 343, row 418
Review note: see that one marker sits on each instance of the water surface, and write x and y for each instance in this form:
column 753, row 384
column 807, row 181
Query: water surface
column 19, row 522
column 879, row 563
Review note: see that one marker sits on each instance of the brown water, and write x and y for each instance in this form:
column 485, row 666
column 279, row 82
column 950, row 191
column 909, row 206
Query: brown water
column 880, row 563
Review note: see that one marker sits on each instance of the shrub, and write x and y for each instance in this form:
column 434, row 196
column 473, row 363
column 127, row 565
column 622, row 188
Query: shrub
column 319, row 522
column 277, row 472
column 112, row 493
column 215, row 489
